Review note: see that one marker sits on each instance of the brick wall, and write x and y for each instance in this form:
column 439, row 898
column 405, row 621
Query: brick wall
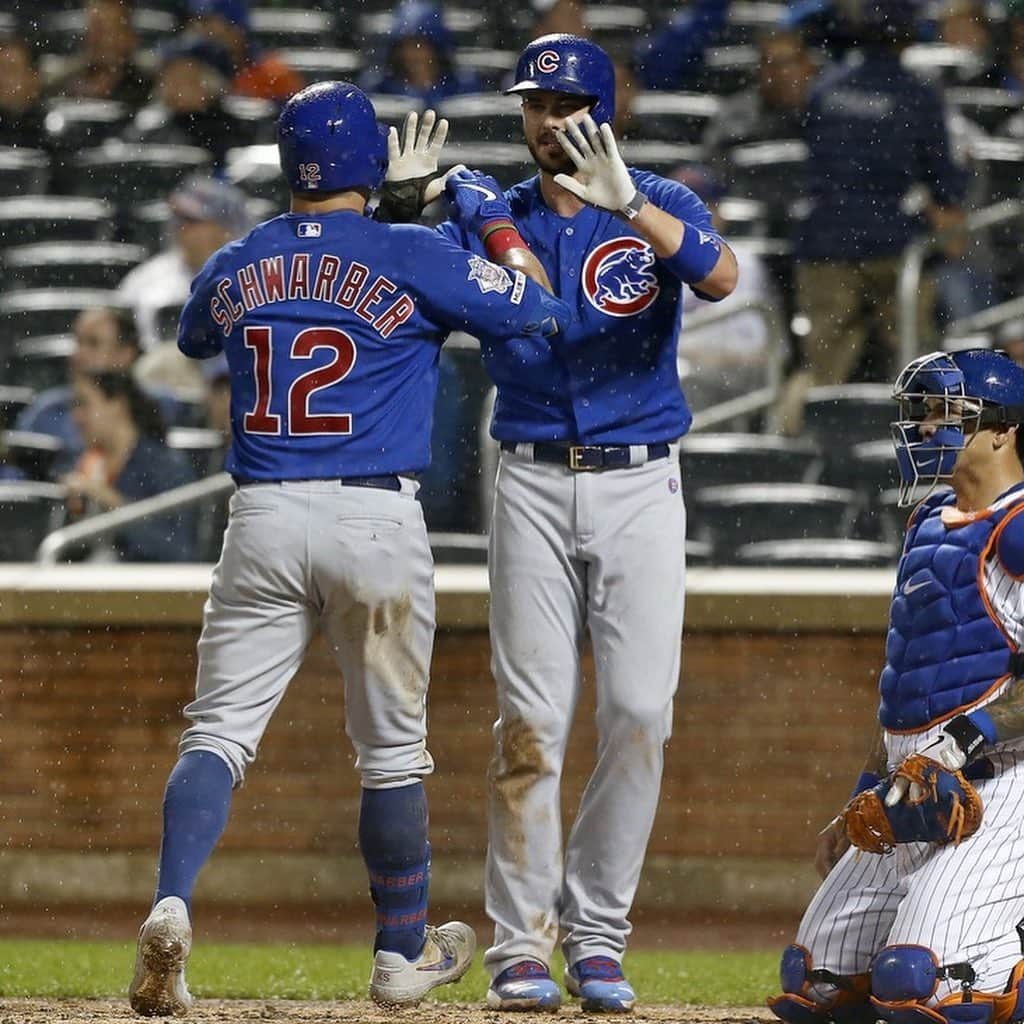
column 770, row 734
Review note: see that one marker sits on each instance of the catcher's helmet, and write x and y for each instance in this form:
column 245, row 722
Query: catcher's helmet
column 328, row 139
column 565, row 63
column 957, row 393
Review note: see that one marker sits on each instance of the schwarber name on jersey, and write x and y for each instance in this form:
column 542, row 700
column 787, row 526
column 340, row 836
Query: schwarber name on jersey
column 332, row 326
column 611, row 377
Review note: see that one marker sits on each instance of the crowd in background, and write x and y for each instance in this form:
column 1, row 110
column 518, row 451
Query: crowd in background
column 833, row 141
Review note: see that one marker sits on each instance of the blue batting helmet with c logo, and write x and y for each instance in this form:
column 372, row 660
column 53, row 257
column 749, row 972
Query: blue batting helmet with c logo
column 571, row 64
column 328, row 139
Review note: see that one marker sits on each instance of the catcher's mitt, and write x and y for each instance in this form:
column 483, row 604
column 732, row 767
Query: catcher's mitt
column 942, row 808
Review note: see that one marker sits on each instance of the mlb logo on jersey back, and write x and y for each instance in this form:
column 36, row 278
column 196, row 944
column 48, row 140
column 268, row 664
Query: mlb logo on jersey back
column 618, row 276
column 309, row 229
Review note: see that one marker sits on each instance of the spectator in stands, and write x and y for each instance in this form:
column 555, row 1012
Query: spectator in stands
column 262, row 74
column 773, row 108
column 965, row 24
column 105, row 341
column 874, row 131
column 188, row 100
column 729, row 358
column 106, row 66
column 673, row 57
column 824, row 24
column 206, row 213
column 21, row 113
column 417, row 58
column 126, row 459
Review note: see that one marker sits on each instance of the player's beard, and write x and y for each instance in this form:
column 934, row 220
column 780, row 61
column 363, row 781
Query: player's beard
column 549, row 156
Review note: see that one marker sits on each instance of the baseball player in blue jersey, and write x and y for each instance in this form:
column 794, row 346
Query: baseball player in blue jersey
column 588, row 525
column 930, row 932
column 331, row 323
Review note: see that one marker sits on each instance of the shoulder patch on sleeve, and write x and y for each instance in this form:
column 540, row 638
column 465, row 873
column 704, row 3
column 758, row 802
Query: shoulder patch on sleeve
column 489, row 276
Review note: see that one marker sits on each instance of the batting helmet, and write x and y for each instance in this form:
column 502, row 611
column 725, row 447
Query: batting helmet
column 957, row 393
column 564, row 63
column 328, row 139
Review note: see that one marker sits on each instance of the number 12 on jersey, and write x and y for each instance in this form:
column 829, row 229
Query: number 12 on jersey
column 260, row 420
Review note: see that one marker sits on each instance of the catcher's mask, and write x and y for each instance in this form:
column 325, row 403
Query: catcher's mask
column 944, row 398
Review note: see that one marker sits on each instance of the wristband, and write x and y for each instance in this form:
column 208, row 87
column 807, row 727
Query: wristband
column 696, row 256
column 866, row 780
column 500, row 236
column 971, row 732
column 634, row 206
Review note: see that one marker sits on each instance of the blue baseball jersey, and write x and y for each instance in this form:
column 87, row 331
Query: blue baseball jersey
column 610, row 377
column 332, row 326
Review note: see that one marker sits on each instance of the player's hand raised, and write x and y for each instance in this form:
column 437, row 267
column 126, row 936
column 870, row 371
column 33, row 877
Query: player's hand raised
column 477, row 199
column 412, row 179
column 603, row 179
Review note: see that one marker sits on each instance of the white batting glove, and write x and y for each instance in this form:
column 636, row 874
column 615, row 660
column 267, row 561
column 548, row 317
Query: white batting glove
column 603, row 179
column 419, row 152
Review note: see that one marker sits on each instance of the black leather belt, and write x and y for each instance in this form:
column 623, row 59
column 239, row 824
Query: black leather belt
column 582, row 457
column 390, row 482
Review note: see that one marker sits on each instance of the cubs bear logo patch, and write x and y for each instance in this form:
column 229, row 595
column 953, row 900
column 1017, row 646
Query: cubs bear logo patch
column 489, row 276
column 619, row 278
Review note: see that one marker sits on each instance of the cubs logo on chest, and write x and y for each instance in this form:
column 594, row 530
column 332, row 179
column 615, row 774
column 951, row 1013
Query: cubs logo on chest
column 619, row 278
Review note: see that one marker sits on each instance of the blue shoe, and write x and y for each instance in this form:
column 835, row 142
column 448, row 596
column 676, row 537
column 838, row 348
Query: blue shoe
column 599, row 983
column 526, row 985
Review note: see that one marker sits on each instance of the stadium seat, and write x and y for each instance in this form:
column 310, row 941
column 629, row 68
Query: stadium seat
column 987, row 107
column 458, row 548
column 892, row 517
column 770, row 172
column 744, row 218
column 941, row 63
column 204, row 448
column 79, row 123
column 255, row 120
column 491, row 66
column 12, row 400
column 256, row 170
column 672, row 116
column 746, row 21
column 69, row 265
column 660, row 157
column 698, row 552
column 34, row 454
column 616, row 26
column 46, row 311
column 728, row 69
column 467, row 26
column 392, row 109
column 149, row 224
column 275, row 28
column 23, row 171
column 482, row 117
column 1001, row 163
column 316, row 63
column 737, row 514
column 843, row 415
column 872, row 471
column 712, row 460
column 31, row 219
column 826, row 553
column 29, row 510
column 40, row 363
column 135, row 173
column 65, row 30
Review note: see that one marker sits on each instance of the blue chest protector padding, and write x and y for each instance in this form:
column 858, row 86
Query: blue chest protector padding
column 943, row 650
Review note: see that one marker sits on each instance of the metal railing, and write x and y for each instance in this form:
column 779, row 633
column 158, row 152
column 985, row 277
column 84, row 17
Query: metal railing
column 106, row 524
column 913, row 265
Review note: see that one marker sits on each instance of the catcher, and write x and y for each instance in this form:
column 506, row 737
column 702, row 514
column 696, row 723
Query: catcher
column 920, row 916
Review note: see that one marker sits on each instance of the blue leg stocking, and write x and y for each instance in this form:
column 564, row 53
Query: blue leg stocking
column 393, row 840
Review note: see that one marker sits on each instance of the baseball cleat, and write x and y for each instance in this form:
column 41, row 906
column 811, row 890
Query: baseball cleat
column 525, row 986
column 446, row 955
column 599, row 983
column 158, row 987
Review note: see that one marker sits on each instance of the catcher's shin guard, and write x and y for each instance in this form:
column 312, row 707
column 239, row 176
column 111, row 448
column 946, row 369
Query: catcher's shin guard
column 905, row 978
column 813, row 995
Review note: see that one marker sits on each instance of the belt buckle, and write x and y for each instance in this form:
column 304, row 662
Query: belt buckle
column 577, row 453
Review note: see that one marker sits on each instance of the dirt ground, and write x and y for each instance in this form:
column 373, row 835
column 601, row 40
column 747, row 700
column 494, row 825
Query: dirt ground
column 86, row 1011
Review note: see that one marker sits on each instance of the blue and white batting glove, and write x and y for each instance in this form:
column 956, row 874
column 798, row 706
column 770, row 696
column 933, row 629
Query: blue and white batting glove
column 477, row 198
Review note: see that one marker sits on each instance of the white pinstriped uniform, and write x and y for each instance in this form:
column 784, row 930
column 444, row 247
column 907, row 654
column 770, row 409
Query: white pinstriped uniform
column 962, row 902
